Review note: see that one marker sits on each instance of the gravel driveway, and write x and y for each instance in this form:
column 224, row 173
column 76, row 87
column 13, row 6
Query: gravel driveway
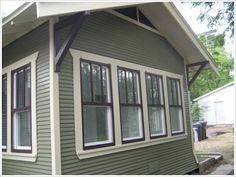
column 220, row 140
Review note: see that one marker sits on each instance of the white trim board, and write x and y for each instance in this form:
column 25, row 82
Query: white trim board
column 54, row 106
column 7, row 70
column 114, row 63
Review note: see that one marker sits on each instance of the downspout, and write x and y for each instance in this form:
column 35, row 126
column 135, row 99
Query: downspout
column 54, row 105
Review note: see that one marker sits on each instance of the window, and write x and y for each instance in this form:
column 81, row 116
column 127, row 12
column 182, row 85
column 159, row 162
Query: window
column 135, row 14
column 4, row 112
column 106, row 125
column 130, row 12
column 130, row 105
column 21, row 109
column 97, row 104
column 175, row 105
column 156, row 108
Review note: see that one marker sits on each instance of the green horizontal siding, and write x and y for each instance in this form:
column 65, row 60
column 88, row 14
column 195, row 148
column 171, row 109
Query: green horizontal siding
column 107, row 35
column 37, row 40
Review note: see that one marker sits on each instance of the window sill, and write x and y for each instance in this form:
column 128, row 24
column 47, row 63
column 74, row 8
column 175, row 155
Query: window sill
column 19, row 156
column 124, row 147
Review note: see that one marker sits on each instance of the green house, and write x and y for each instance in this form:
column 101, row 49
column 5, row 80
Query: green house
column 98, row 88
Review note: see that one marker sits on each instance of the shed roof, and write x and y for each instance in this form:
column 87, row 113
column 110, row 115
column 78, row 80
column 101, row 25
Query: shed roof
column 214, row 91
column 163, row 15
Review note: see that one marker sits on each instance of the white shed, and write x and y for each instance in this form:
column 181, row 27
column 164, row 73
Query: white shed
column 218, row 106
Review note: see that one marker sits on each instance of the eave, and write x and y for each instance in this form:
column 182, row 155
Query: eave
column 163, row 15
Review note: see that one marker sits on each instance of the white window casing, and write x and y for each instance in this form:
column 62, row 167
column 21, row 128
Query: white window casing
column 7, row 70
column 119, row 147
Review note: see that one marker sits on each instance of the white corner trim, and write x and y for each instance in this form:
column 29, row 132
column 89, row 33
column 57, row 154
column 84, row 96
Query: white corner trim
column 54, row 106
column 7, row 70
column 118, row 147
column 20, row 156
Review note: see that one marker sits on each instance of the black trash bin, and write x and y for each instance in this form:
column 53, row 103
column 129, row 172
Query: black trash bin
column 198, row 126
column 204, row 126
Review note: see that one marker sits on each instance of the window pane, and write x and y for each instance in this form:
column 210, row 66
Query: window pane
column 175, row 94
column 160, row 90
column 27, row 86
column 149, row 89
column 156, row 120
column 131, row 123
column 20, row 89
column 155, row 90
column 4, row 111
column 22, row 129
column 129, row 12
column 14, row 90
column 179, row 93
column 106, row 84
column 130, row 90
column 136, row 88
column 176, row 119
column 170, row 94
column 97, row 91
column 122, row 86
column 97, row 125
column 86, row 82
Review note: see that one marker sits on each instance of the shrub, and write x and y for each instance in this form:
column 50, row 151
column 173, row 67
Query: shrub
column 195, row 110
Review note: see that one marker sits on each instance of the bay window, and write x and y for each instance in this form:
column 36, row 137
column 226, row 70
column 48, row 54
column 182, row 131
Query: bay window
column 175, row 106
column 21, row 109
column 4, row 112
column 130, row 105
column 156, row 107
column 97, row 108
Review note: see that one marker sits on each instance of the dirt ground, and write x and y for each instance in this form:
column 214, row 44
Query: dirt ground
column 220, row 140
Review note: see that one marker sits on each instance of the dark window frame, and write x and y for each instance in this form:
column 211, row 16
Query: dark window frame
column 92, row 103
column 156, row 105
column 130, row 105
column 4, row 76
column 176, row 105
column 135, row 14
column 28, row 108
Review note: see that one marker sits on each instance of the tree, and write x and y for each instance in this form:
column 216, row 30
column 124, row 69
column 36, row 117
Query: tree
column 196, row 111
column 208, row 80
column 215, row 19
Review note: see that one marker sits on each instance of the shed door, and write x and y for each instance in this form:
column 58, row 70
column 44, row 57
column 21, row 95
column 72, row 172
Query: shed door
column 219, row 112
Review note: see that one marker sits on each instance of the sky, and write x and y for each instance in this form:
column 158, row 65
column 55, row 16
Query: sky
column 190, row 14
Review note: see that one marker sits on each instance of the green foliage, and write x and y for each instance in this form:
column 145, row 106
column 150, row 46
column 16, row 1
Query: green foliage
column 208, row 80
column 215, row 19
column 196, row 111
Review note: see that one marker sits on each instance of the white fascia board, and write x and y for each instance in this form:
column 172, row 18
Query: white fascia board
column 189, row 32
column 45, row 9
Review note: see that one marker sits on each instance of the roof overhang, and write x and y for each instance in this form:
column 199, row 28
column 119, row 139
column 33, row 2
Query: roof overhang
column 168, row 20
column 164, row 16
